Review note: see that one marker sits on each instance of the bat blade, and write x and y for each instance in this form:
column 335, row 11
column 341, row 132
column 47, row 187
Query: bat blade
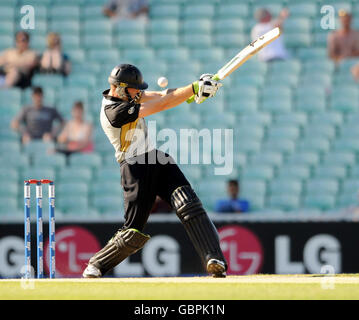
column 247, row 53
column 244, row 55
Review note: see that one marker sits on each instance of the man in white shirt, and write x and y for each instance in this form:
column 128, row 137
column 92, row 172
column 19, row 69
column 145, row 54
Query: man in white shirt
column 275, row 50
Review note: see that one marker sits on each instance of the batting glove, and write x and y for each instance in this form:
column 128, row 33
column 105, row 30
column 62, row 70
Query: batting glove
column 207, row 88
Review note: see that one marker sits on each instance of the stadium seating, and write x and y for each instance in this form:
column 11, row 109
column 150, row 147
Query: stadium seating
column 296, row 139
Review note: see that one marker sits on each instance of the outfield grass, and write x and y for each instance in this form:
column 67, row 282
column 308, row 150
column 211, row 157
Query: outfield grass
column 192, row 288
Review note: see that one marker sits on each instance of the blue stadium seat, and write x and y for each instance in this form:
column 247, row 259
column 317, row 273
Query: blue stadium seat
column 322, row 186
column 163, row 26
column 108, row 204
column 297, row 24
column 92, row 160
column 198, row 11
column 346, row 145
column 204, row 55
column 165, row 11
column 6, row 27
column 294, row 171
column 286, row 186
column 72, row 204
column 128, row 41
column 229, row 25
column 109, row 174
column 229, row 40
column 283, row 131
column 81, row 80
column 6, row 41
column 47, row 80
column 248, row 131
column 298, row 39
column 256, row 118
column 97, row 26
column 91, row 41
column 107, row 188
column 79, row 189
column 282, row 145
column 304, row 158
column 90, row 12
column 330, row 172
column 319, row 201
column 315, row 130
column 174, row 55
column 263, row 172
column 197, row 41
column 130, row 27
column 270, row 157
column 286, row 202
column 306, row 9
column 313, row 145
column 55, row 161
column 339, row 158
column 66, row 12
column 74, row 174
column 38, row 147
column 158, row 40
column 233, row 10
column 10, row 99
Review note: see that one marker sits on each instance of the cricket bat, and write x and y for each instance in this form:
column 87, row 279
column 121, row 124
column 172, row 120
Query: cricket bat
column 245, row 54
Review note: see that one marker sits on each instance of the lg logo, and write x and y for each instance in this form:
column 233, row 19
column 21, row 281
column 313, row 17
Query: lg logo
column 319, row 250
column 160, row 257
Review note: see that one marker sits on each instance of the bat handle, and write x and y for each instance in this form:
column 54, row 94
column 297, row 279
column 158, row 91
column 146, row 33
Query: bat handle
column 191, row 99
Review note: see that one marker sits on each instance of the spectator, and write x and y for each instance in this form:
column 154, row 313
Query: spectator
column 234, row 203
column 126, row 9
column 161, row 206
column 36, row 121
column 275, row 50
column 355, row 72
column 343, row 43
column 53, row 60
column 17, row 64
column 76, row 136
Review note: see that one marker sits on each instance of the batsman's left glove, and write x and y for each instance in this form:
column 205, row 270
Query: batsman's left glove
column 204, row 88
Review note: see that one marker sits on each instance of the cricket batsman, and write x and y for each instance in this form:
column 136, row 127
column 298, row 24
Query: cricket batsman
column 145, row 174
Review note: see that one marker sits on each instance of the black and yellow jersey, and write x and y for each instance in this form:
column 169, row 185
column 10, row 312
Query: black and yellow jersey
column 125, row 130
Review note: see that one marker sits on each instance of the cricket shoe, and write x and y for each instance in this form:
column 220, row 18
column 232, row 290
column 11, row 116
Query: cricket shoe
column 216, row 268
column 92, row 272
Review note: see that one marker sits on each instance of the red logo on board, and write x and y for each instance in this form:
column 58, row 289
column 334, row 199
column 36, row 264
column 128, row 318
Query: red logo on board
column 74, row 247
column 242, row 250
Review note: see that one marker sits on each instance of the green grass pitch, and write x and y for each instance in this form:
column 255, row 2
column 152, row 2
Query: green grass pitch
column 191, row 288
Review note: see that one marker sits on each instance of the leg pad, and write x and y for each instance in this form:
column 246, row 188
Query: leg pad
column 122, row 244
column 197, row 224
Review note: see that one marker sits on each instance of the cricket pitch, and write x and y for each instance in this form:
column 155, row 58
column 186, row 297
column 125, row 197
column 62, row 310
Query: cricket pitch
column 297, row 287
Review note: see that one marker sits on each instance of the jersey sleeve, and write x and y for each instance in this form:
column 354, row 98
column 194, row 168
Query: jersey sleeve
column 119, row 114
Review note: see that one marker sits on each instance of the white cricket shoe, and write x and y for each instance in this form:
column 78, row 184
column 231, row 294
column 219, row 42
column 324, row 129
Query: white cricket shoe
column 216, row 268
column 92, row 272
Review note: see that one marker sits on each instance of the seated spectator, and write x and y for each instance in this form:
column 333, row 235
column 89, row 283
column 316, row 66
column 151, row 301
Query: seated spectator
column 355, row 72
column 343, row 43
column 233, row 203
column 275, row 50
column 36, row 121
column 126, row 9
column 76, row 136
column 17, row 64
column 53, row 60
column 161, row 206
